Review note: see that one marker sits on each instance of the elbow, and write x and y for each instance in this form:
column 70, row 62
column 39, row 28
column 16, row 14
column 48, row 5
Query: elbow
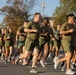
column 25, row 30
column 61, row 32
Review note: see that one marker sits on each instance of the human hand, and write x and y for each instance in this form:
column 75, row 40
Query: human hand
column 71, row 30
column 35, row 30
column 46, row 33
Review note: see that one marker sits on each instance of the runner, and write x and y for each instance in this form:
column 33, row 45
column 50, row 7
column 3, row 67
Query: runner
column 20, row 38
column 7, row 45
column 68, row 30
column 32, row 40
column 3, row 43
column 0, row 44
column 73, row 60
column 44, row 40
column 56, row 41
column 12, row 40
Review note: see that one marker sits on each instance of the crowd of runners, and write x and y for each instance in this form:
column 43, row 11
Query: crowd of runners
column 35, row 40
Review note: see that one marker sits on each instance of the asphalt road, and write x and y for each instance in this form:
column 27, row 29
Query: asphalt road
column 9, row 69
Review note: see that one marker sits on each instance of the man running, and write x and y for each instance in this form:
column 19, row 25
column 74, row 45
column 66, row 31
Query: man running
column 32, row 40
column 44, row 40
column 68, row 32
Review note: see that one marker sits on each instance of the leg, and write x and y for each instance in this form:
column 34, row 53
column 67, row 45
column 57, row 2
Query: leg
column 46, row 51
column 40, row 54
column 56, row 51
column 35, row 57
column 25, row 55
column 7, row 52
column 11, row 50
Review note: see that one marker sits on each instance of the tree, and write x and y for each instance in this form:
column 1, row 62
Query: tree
column 16, row 12
column 66, row 7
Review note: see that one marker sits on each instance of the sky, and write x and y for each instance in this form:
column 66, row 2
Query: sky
column 50, row 6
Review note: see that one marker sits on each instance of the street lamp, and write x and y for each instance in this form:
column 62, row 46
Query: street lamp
column 43, row 7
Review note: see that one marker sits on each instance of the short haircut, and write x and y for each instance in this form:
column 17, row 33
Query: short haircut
column 26, row 21
column 45, row 18
column 36, row 14
column 70, row 15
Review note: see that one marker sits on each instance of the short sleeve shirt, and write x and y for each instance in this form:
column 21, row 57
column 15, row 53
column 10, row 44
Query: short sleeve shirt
column 21, row 37
column 69, row 36
column 46, row 29
column 33, row 25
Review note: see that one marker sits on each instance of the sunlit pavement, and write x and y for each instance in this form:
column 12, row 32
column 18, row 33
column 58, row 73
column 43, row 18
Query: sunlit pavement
column 9, row 69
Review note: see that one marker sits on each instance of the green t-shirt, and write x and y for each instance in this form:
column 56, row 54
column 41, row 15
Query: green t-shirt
column 1, row 40
column 12, row 37
column 21, row 37
column 56, row 34
column 69, row 36
column 46, row 29
column 7, row 40
column 33, row 25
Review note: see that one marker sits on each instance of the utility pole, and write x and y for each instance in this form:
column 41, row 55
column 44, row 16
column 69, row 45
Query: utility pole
column 43, row 7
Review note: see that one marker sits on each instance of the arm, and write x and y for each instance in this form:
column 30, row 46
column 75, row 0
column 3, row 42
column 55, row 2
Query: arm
column 18, row 33
column 24, row 34
column 6, row 38
column 66, row 32
column 30, row 30
column 45, row 34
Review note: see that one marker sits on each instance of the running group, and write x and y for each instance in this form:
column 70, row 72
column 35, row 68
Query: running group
column 36, row 40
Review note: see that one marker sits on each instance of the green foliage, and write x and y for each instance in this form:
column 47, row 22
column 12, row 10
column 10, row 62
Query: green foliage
column 16, row 12
column 66, row 7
